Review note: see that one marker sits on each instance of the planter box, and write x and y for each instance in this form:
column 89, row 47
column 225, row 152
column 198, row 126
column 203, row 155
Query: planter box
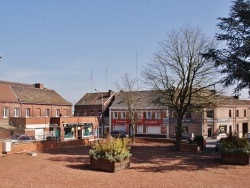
column 107, row 166
column 235, row 158
column 189, row 147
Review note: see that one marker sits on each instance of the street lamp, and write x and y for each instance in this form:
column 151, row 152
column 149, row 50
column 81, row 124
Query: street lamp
column 102, row 114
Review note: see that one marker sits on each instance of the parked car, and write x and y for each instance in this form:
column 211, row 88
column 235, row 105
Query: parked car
column 118, row 134
column 247, row 135
column 218, row 144
column 21, row 138
column 185, row 137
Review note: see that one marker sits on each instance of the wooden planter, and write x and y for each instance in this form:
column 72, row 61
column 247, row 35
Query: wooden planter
column 107, row 166
column 235, row 158
column 189, row 147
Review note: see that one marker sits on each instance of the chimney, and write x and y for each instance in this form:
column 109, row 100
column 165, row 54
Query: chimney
column 110, row 93
column 39, row 85
column 236, row 96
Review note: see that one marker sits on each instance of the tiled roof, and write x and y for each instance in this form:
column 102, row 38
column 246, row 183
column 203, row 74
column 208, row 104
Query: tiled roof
column 231, row 101
column 94, row 98
column 16, row 84
column 38, row 96
column 28, row 93
column 143, row 99
column 6, row 94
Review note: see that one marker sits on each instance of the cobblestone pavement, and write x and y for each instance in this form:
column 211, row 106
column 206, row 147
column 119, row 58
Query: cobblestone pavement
column 152, row 165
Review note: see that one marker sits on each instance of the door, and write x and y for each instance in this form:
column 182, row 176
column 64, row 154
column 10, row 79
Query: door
column 209, row 132
column 244, row 128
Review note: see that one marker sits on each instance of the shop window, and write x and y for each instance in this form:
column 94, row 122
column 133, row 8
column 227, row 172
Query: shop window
column 222, row 129
column 184, row 130
column 87, row 131
column 68, row 132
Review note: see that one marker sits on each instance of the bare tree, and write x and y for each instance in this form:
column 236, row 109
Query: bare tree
column 127, row 87
column 181, row 75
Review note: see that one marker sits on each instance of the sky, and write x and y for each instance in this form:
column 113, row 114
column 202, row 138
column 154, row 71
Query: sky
column 76, row 46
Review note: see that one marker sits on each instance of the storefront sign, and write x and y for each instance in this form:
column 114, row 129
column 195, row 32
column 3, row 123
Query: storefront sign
column 120, row 121
column 146, row 122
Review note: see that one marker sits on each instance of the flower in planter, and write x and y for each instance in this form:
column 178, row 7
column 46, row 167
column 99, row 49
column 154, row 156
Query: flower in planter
column 111, row 149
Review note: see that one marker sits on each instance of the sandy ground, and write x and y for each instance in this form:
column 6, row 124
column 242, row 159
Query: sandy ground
column 152, row 165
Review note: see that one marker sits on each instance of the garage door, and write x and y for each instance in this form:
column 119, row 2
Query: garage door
column 154, row 129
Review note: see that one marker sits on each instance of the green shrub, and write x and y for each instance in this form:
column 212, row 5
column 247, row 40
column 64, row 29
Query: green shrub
column 234, row 144
column 199, row 140
column 111, row 149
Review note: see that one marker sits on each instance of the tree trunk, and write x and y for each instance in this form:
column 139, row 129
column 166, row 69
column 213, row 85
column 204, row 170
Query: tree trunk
column 133, row 133
column 178, row 132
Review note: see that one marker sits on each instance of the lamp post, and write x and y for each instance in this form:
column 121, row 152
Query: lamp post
column 102, row 115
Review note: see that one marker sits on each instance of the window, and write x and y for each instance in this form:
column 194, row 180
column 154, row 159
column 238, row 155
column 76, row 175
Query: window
column 140, row 115
column 149, row 115
column 5, row 112
column 245, row 113
column 115, row 115
column 237, row 113
column 57, row 112
column 157, row 115
column 16, row 112
column 230, row 113
column 237, row 127
column 123, row 115
column 210, row 114
column 27, row 112
column 47, row 112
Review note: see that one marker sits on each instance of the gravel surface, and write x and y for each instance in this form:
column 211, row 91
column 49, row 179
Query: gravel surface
column 152, row 165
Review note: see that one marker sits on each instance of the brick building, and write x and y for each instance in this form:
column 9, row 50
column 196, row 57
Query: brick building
column 26, row 107
column 228, row 112
column 96, row 104
column 152, row 120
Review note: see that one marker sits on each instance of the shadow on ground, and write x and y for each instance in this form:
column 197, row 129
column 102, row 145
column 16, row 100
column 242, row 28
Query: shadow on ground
column 145, row 158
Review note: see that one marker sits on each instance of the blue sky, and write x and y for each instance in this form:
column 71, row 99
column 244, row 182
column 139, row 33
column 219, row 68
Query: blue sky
column 74, row 46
